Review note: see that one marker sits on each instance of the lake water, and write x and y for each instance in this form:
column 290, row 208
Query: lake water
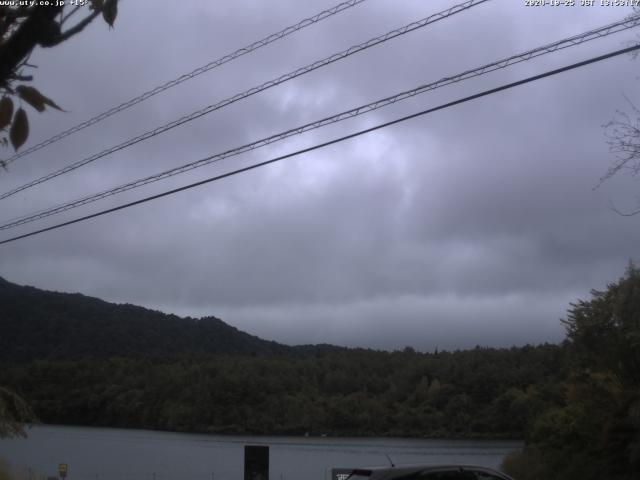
column 114, row 454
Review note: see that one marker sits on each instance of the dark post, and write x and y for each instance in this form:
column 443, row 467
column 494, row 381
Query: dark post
column 256, row 462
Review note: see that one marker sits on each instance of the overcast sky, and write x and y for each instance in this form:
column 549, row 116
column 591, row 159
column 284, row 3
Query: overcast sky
column 478, row 224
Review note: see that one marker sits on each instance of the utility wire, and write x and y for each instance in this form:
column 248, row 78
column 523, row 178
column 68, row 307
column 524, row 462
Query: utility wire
column 252, row 91
column 188, row 76
column 499, row 64
column 334, row 141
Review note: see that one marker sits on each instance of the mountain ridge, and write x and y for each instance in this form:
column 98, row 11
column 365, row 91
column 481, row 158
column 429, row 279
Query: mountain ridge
column 38, row 324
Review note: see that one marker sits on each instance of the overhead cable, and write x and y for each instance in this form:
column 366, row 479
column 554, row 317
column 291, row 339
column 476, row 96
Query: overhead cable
column 384, row 102
column 330, row 142
column 188, row 76
column 252, row 91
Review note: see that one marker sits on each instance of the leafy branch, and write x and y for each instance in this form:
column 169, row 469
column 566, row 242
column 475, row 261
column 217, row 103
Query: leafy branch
column 14, row 414
column 22, row 28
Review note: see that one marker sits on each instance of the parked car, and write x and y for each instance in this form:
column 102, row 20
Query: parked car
column 428, row 472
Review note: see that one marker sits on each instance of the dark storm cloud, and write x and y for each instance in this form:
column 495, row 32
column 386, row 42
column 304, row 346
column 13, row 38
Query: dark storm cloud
column 474, row 225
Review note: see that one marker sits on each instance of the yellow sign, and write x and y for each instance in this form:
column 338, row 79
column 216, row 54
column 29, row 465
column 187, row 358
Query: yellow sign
column 63, row 468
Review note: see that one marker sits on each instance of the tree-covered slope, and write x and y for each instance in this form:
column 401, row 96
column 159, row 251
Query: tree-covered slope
column 479, row 393
column 38, row 324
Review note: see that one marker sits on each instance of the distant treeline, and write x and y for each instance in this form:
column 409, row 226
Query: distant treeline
column 476, row 393
column 82, row 361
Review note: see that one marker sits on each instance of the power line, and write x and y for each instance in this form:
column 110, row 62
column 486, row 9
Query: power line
column 497, row 65
column 188, row 76
column 331, row 142
column 252, row 91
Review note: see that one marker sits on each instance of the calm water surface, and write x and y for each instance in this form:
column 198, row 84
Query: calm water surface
column 104, row 454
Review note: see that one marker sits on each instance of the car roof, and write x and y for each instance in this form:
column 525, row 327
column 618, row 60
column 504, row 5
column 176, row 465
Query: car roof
column 383, row 473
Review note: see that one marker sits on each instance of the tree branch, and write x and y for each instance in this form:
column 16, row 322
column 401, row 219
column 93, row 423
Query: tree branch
column 77, row 28
column 39, row 28
column 68, row 15
column 14, row 413
column 22, row 78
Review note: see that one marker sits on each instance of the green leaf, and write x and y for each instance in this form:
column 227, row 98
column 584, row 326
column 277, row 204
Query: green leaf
column 6, row 111
column 34, row 98
column 19, row 129
column 110, row 11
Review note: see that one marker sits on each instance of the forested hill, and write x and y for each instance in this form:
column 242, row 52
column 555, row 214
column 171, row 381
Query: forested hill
column 82, row 361
column 38, row 324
